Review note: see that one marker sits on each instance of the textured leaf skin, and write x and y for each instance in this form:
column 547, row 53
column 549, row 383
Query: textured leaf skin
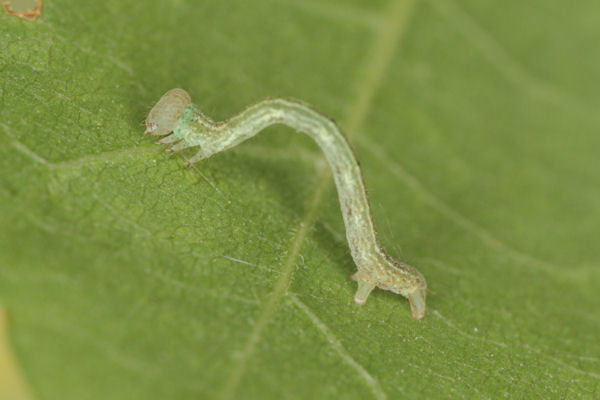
column 129, row 276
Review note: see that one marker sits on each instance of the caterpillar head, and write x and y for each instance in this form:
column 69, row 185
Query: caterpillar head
column 163, row 117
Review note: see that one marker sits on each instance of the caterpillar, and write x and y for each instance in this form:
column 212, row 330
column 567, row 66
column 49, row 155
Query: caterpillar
column 182, row 125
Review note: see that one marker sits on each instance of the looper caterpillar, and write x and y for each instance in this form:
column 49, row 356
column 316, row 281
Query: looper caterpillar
column 174, row 113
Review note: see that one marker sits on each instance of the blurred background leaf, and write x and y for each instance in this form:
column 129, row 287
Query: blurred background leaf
column 476, row 123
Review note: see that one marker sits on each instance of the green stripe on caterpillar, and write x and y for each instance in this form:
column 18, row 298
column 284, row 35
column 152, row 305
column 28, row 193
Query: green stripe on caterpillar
column 183, row 125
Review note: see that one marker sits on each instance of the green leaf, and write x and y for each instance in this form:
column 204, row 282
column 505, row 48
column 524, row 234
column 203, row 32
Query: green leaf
column 129, row 276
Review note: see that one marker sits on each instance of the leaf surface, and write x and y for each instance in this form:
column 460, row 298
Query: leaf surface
column 129, row 276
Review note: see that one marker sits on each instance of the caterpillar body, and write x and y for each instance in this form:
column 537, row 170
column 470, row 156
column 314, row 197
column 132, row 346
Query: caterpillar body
column 182, row 125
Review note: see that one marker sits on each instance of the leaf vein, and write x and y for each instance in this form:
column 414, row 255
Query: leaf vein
column 335, row 343
column 505, row 63
column 483, row 234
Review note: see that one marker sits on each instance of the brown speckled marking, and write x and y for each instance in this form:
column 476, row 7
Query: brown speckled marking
column 29, row 15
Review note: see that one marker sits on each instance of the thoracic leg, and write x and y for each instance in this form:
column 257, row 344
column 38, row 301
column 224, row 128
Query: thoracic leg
column 195, row 158
column 169, row 139
column 178, row 147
